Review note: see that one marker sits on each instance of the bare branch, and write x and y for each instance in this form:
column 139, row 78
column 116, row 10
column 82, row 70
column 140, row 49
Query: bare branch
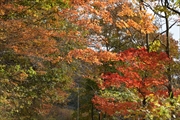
column 166, row 30
column 175, row 11
column 147, row 5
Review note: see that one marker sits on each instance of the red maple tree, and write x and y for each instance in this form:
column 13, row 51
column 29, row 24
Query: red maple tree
column 138, row 70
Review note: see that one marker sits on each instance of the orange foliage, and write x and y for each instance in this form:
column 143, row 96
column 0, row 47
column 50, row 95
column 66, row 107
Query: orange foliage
column 144, row 25
column 30, row 41
column 92, row 14
column 36, row 34
column 91, row 56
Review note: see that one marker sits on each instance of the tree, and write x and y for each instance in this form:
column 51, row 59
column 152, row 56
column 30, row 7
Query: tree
column 34, row 41
column 140, row 75
column 164, row 10
column 128, row 17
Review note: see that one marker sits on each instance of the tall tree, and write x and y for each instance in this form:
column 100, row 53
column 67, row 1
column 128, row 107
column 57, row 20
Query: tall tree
column 106, row 25
column 34, row 41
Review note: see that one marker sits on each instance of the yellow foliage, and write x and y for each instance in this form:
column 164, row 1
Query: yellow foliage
column 154, row 46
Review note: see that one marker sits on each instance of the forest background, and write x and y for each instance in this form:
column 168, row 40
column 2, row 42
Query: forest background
column 89, row 59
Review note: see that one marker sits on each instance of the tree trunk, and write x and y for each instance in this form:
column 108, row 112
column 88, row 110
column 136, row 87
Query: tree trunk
column 169, row 87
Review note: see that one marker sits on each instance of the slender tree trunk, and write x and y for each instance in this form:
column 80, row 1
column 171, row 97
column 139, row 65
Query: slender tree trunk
column 92, row 112
column 147, row 42
column 147, row 47
column 170, row 91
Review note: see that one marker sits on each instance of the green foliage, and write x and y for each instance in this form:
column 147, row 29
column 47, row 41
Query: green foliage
column 31, row 72
column 46, row 4
column 121, row 94
column 24, row 89
column 164, row 108
column 86, row 90
column 177, row 2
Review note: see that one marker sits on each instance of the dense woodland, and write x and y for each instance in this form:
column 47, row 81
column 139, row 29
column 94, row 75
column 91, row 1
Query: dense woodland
column 89, row 60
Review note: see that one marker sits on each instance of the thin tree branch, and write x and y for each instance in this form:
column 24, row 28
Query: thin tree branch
column 166, row 30
column 175, row 11
column 147, row 5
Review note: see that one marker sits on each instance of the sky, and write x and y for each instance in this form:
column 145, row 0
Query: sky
column 175, row 30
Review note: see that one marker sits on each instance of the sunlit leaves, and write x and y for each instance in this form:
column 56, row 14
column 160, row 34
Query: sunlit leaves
column 154, row 46
column 91, row 56
column 144, row 25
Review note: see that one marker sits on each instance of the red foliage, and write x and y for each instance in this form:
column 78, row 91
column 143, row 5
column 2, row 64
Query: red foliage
column 106, row 105
column 110, row 106
column 140, row 70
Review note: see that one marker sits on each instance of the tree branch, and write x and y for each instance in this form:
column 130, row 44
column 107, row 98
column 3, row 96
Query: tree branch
column 166, row 30
column 175, row 11
column 147, row 5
